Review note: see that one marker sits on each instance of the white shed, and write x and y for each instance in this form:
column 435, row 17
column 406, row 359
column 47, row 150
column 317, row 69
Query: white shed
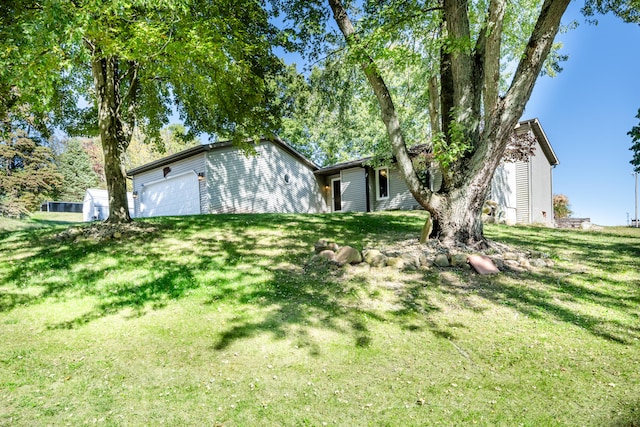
column 95, row 206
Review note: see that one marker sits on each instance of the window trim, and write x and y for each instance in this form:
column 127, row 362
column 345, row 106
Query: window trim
column 378, row 170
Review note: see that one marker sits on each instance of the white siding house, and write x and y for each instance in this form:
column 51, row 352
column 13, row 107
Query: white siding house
column 522, row 190
column 221, row 178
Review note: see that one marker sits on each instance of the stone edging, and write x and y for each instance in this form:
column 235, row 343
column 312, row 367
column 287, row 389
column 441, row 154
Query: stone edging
column 410, row 255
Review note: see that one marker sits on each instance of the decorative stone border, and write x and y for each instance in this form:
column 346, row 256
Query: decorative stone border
column 410, row 255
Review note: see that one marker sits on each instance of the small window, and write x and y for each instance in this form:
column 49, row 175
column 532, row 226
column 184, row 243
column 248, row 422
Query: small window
column 382, row 183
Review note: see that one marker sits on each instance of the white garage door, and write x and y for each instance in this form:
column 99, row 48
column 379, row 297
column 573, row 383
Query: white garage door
column 179, row 195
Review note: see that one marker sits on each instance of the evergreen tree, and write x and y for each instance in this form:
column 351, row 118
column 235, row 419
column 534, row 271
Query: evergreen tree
column 28, row 174
column 75, row 166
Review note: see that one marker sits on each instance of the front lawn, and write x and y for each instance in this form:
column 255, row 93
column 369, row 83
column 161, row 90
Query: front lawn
column 220, row 320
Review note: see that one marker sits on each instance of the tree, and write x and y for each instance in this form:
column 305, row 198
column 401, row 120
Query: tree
column 634, row 133
column 465, row 50
column 77, row 172
column 92, row 147
column 173, row 139
column 28, row 174
column 329, row 123
column 133, row 60
column 561, row 206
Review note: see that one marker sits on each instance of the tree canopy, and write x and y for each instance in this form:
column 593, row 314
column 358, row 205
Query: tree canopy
column 109, row 67
column 634, row 133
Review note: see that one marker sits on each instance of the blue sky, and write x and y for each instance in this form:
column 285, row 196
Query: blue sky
column 586, row 112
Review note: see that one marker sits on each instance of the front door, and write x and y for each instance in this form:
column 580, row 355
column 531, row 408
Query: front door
column 336, row 197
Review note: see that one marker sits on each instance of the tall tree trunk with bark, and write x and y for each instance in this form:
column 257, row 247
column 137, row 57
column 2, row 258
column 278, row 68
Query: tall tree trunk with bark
column 115, row 138
column 472, row 114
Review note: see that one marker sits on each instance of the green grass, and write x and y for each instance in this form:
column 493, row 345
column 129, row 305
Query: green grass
column 218, row 320
column 39, row 219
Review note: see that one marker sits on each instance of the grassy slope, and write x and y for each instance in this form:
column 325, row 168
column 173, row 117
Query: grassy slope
column 215, row 319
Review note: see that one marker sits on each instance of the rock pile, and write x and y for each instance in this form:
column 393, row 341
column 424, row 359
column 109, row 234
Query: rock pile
column 411, row 255
column 100, row 231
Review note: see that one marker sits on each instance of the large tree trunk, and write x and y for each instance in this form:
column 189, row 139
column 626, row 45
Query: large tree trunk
column 459, row 221
column 113, row 135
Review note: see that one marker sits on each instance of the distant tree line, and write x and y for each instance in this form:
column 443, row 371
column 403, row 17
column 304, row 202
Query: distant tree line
column 34, row 168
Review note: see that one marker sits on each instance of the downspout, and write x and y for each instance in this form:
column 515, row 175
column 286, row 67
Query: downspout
column 366, row 188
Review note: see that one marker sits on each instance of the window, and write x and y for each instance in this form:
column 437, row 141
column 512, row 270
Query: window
column 382, row 183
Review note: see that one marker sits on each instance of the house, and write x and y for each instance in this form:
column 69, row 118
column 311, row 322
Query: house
column 221, row 178
column 524, row 190
column 95, row 205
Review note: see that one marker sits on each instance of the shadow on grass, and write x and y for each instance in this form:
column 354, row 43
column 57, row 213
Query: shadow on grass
column 627, row 414
column 258, row 261
column 583, row 292
column 236, row 259
column 299, row 300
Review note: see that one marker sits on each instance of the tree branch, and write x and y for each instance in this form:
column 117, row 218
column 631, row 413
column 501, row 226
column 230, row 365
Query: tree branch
column 488, row 54
column 537, row 49
column 388, row 111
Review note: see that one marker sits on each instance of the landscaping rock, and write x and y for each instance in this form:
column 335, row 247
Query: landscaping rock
column 395, row 262
column 424, row 261
column 537, row 254
column 323, row 245
column 347, row 255
column 442, row 260
column 538, row 262
column 411, row 261
column 513, row 265
column 411, row 255
column 375, row 258
column 483, row 264
column 327, row 254
column 510, row 256
column 498, row 262
column 458, row 260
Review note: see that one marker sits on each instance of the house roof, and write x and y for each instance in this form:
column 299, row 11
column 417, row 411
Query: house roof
column 535, row 126
column 523, row 126
column 329, row 170
column 190, row 152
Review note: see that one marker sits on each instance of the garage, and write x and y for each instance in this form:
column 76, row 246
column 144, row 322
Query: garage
column 176, row 195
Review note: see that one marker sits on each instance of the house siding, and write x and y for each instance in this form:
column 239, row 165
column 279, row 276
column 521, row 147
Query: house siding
column 400, row 197
column 353, row 183
column 523, row 206
column 541, row 203
column 503, row 192
column 193, row 164
column 256, row 183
